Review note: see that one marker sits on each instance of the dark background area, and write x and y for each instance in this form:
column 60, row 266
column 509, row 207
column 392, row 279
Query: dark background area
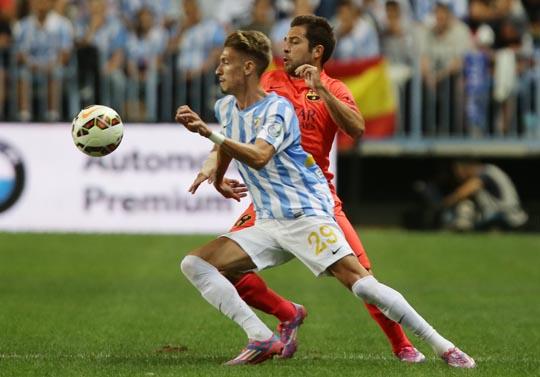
column 376, row 191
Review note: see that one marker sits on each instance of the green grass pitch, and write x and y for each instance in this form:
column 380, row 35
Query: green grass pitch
column 89, row 305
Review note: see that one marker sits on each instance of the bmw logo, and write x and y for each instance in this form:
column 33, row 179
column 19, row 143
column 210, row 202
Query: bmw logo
column 11, row 176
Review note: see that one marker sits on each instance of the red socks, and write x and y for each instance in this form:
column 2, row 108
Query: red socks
column 395, row 334
column 256, row 293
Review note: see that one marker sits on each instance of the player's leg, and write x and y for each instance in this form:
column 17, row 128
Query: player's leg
column 251, row 248
column 401, row 345
column 355, row 277
column 256, row 293
column 202, row 268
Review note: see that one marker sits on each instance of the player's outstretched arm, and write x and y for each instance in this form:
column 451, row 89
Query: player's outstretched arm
column 207, row 172
column 347, row 118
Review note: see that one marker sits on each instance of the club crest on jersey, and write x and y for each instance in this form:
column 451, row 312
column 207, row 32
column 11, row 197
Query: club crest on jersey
column 275, row 129
column 312, row 95
column 256, row 122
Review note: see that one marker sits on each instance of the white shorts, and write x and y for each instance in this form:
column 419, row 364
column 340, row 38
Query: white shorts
column 315, row 240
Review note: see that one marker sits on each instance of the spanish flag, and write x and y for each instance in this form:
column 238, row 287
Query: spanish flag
column 370, row 84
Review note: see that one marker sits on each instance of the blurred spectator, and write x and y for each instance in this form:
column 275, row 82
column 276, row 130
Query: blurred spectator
column 145, row 46
column 44, row 41
column 200, row 45
column 443, row 48
column 445, row 45
column 262, row 17
column 355, row 33
column 101, row 40
column 423, row 10
column 399, row 42
column 229, row 13
column 165, row 12
column 292, row 8
column 477, row 80
column 483, row 198
column 327, row 9
column 532, row 8
column 377, row 10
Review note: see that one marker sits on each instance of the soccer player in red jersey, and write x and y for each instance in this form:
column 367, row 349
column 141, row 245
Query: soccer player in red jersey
column 324, row 106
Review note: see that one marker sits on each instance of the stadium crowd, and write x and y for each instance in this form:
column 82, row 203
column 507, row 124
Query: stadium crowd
column 477, row 61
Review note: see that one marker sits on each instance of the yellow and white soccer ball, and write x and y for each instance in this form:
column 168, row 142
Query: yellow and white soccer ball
column 97, row 130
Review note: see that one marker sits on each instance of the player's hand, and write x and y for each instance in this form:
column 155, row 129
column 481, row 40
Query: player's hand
column 310, row 74
column 188, row 118
column 200, row 178
column 228, row 191
column 237, row 186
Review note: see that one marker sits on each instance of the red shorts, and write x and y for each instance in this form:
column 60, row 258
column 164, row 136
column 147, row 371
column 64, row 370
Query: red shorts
column 247, row 219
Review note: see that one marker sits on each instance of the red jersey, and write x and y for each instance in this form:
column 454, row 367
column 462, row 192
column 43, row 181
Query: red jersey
column 316, row 125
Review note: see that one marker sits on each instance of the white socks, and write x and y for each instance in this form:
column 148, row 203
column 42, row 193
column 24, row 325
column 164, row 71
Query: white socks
column 219, row 292
column 395, row 307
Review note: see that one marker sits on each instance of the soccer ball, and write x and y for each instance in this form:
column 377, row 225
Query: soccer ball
column 97, row 130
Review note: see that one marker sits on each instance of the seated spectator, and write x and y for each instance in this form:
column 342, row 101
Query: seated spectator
column 485, row 198
column 101, row 40
column 355, row 34
column 145, row 46
column 43, row 43
column 199, row 49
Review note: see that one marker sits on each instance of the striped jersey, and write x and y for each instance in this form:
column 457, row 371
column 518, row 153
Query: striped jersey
column 291, row 185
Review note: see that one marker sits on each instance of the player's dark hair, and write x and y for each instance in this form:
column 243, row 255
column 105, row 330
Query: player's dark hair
column 318, row 32
column 254, row 44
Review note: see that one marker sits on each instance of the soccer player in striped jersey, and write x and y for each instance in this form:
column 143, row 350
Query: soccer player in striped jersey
column 324, row 106
column 293, row 204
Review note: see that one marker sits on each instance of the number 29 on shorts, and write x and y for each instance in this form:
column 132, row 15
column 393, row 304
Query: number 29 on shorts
column 321, row 238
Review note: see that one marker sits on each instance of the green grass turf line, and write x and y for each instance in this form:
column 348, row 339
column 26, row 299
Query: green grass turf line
column 101, row 305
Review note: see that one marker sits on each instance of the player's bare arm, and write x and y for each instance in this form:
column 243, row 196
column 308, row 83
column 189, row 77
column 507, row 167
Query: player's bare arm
column 254, row 155
column 192, row 121
column 346, row 118
column 207, row 172
column 222, row 184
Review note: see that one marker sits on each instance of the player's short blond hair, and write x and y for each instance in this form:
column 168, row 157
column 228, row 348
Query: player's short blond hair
column 254, row 44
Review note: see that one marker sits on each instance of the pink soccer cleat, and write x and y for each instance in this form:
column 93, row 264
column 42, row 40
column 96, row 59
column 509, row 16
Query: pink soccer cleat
column 458, row 359
column 410, row 355
column 256, row 352
column 288, row 332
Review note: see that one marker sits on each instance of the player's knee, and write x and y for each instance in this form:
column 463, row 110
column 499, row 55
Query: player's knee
column 367, row 289
column 188, row 266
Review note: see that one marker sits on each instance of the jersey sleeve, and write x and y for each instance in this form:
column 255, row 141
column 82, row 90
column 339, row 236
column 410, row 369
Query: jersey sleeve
column 274, row 127
column 219, row 111
column 342, row 93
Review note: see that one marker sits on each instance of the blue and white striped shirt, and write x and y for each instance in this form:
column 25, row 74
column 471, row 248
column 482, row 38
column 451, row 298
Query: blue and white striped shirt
column 291, row 185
